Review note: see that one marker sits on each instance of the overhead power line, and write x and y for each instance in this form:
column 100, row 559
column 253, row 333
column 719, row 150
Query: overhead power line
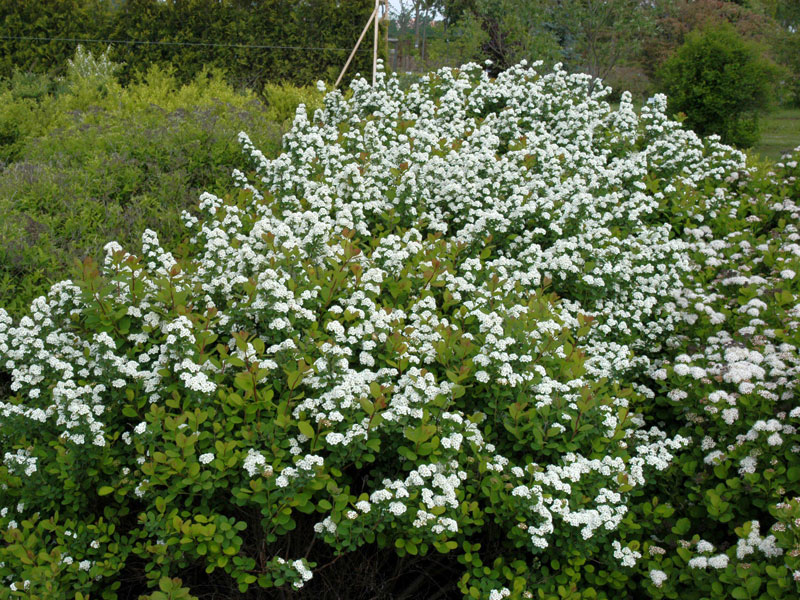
column 160, row 43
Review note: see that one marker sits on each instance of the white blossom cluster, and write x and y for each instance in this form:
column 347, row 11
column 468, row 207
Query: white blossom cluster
column 468, row 195
column 717, row 561
column 658, row 577
column 297, row 568
column 736, row 362
column 625, row 555
column 755, row 541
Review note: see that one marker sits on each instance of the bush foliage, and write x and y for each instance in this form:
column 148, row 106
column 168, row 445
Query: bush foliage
column 88, row 160
column 721, row 83
column 255, row 42
column 489, row 331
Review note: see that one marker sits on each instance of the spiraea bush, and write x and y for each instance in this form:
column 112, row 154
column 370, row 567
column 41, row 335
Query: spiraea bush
column 729, row 380
column 466, row 339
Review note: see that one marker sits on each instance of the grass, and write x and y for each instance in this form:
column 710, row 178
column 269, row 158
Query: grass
column 780, row 133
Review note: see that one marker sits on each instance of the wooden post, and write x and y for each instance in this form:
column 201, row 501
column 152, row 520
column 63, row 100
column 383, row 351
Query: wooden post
column 375, row 44
column 358, row 43
column 386, row 20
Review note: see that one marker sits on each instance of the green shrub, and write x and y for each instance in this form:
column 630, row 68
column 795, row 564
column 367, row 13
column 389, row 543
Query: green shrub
column 255, row 42
column 58, row 21
column 721, row 83
column 788, row 51
column 97, row 161
column 282, row 101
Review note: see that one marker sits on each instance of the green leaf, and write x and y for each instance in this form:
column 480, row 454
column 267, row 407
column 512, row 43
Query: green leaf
column 293, row 379
column 739, row 593
column 406, row 452
column 165, row 584
column 105, row 490
column 753, row 584
column 366, row 405
column 681, row 526
column 306, row 429
column 244, row 381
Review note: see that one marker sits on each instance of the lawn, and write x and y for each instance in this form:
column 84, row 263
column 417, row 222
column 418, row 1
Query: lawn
column 780, row 132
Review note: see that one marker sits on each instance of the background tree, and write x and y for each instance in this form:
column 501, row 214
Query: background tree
column 587, row 35
column 513, row 30
column 255, row 41
column 721, row 82
column 598, row 34
column 61, row 19
column 787, row 12
column 459, row 43
column 675, row 19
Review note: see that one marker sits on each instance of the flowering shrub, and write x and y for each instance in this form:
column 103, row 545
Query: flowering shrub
column 729, row 380
column 435, row 335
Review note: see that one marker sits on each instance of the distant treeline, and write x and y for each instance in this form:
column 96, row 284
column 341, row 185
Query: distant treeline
column 190, row 34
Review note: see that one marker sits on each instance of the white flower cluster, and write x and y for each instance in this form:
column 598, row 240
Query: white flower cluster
column 754, row 541
column 625, row 556
column 658, row 577
column 461, row 213
column 499, row 594
column 20, row 462
column 254, row 463
column 718, row 561
column 299, row 569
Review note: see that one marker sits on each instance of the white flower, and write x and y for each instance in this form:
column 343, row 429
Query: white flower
column 625, row 555
column 720, row 561
column 254, row 463
column 657, row 577
column 704, row 546
column 698, row 562
column 206, row 458
column 747, row 465
column 775, row 440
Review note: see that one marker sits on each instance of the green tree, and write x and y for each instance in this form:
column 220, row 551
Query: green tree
column 588, row 35
column 513, row 29
column 255, row 41
column 721, row 82
column 268, row 40
column 413, row 21
column 36, row 35
column 599, row 34
column 788, row 13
